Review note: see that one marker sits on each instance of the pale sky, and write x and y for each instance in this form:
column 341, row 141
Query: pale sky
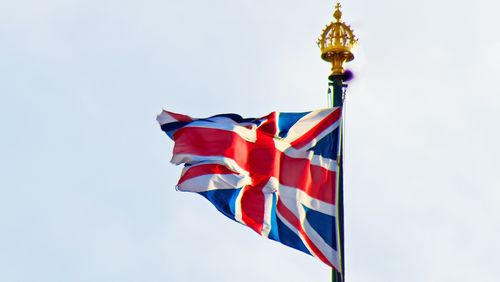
column 87, row 190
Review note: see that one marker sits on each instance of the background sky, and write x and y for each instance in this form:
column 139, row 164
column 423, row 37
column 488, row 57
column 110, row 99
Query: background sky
column 86, row 188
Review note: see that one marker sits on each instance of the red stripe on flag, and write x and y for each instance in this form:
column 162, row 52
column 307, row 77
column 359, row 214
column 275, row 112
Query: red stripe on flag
column 264, row 158
column 204, row 169
column 204, row 141
column 269, row 126
column 295, row 222
column 263, row 162
column 252, row 206
column 316, row 130
column 314, row 180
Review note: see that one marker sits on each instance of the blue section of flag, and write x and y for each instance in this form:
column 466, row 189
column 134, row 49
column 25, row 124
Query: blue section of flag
column 328, row 147
column 170, row 128
column 224, row 200
column 274, row 233
column 289, row 238
column 323, row 224
column 287, row 120
column 236, row 118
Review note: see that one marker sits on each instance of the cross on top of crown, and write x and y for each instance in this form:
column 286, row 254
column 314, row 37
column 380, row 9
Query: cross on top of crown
column 337, row 14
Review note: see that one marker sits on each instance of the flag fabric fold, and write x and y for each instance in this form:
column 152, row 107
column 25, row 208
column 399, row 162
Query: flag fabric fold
column 277, row 174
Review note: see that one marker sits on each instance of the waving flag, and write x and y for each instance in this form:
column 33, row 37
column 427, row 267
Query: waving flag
column 276, row 174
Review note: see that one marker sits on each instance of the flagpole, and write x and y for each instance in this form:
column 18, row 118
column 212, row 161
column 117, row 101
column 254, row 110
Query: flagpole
column 336, row 43
column 337, row 88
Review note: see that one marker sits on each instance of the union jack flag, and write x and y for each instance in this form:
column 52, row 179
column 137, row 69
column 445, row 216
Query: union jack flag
column 277, row 174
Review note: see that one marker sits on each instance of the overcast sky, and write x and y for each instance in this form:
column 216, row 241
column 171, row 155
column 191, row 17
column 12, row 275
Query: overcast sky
column 87, row 190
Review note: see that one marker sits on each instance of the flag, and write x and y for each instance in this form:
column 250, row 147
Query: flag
column 277, row 174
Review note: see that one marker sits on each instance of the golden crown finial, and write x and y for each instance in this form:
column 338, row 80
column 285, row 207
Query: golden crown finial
column 336, row 43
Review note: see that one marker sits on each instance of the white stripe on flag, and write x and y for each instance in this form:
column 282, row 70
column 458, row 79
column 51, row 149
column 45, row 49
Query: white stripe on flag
column 269, row 191
column 238, row 215
column 328, row 252
column 318, row 160
column 209, row 182
column 199, row 160
column 316, row 239
column 291, row 196
column 321, row 136
column 306, row 123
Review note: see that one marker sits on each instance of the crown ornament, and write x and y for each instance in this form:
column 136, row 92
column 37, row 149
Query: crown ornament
column 336, row 43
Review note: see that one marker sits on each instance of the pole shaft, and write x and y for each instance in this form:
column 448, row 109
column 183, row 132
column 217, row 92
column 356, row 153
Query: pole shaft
column 337, row 83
